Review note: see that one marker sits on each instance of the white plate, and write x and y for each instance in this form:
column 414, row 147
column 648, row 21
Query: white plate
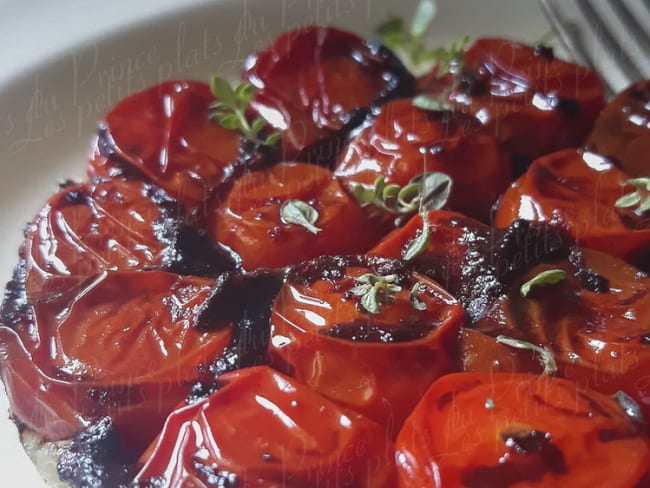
column 59, row 78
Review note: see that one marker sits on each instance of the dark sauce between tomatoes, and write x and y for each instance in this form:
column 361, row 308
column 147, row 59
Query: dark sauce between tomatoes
column 365, row 331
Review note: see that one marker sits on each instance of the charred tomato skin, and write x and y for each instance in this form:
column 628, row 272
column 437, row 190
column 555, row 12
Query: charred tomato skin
column 622, row 130
column 249, row 221
column 121, row 344
column 404, row 141
column 316, row 83
column 473, row 429
column 262, row 428
column 577, row 190
column 377, row 364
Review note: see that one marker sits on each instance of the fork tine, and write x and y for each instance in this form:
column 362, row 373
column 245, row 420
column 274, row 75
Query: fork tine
column 641, row 36
column 608, row 41
column 568, row 33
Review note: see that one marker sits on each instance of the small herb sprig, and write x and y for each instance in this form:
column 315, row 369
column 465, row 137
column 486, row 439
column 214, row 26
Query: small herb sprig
column 545, row 278
column 230, row 111
column 639, row 198
column 411, row 42
column 429, row 191
column 375, row 290
column 297, row 212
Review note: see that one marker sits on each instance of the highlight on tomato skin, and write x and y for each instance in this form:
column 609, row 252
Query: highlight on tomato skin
column 165, row 135
column 578, row 191
column 121, row 344
column 316, row 83
column 533, row 102
column 376, row 362
column 404, row 141
column 476, row 430
column 250, row 221
column 622, row 130
column 262, row 428
column 595, row 322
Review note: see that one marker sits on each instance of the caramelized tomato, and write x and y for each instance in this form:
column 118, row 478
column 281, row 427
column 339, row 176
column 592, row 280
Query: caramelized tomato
column 404, row 141
column 595, row 322
column 249, row 221
column 577, row 190
column 622, row 131
column 164, row 133
column 378, row 364
column 480, row 430
column 531, row 101
column 316, row 83
column 263, row 429
column 123, row 344
column 84, row 229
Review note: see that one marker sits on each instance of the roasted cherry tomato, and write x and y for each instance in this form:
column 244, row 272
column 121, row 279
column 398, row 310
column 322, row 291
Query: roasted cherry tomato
column 316, row 83
column 250, row 220
column 622, row 131
column 263, row 429
column 531, row 101
column 470, row 259
column 578, row 190
column 502, row 430
column 85, row 228
column 123, row 344
column 377, row 361
column 165, row 134
column 595, row 321
column 404, row 141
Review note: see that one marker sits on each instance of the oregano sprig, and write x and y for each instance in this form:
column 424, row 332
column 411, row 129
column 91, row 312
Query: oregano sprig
column 545, row 356
column 230, row 110
column 545, row 278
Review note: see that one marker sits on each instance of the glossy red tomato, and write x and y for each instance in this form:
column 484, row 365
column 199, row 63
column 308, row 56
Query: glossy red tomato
column 315, row 83
column 165, row 134
column 622, row 131
column 578, row 191
column 531, row 101
column 596, row 322
column 84, row 229
column 263, row 429
column 123, row 344
column 249, row 220
column 404, row 141
column 378, row 363
column 485, row 430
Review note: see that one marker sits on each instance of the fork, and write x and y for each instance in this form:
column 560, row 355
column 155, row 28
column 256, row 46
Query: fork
column 609, row 36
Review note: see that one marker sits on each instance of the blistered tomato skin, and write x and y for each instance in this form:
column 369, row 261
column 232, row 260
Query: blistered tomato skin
column 577, row 190
column 531, row 101
column 595, row 322
column 404, row 141
column 314, row 84
column 378, row 364
column 479, row 430
column 164, row 135
column 263, row 429
column 123, row 344
column 622, row 131
column 250, row 224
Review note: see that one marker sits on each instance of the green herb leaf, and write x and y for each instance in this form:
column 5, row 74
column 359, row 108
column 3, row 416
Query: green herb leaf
column 640, row 196
column 394, row 25
column 629, row 406
column 416, row 303
column 425, row 102
column 436, row 188
column 423, row 18
column 628, row 200
column 299, row 213
column 545, row 278
column 546, row 357
column 229, row 110
column 417, row 245
column 374, row 291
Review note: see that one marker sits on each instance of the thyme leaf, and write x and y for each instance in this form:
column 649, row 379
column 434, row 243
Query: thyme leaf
column 639, row 198
column 374, row 291
column 545, row 278
column 546, row 357
column 300, row 213
column 416, row 303
column 417, row 245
